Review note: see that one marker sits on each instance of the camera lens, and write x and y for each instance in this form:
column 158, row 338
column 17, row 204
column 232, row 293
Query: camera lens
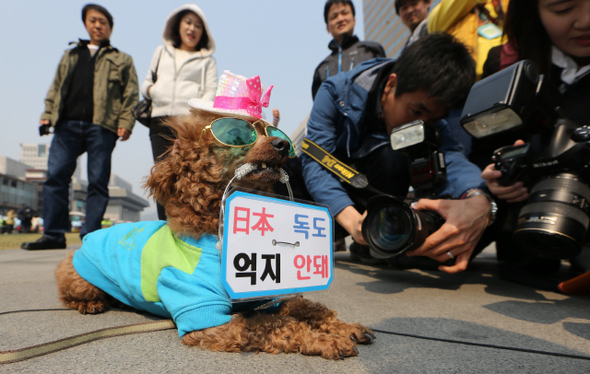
column 554, row 222
column 392, row 227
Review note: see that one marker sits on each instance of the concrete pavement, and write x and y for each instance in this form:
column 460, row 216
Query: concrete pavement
column 426, row 322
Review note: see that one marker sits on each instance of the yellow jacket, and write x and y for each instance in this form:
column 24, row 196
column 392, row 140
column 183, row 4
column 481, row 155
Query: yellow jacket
column 460, row 18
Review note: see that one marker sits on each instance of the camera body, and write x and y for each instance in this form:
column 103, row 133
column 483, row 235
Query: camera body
column 392, row 227
column 420, row 144
column 512, row 161
column 554, row 163
column 44, row 130
column 555, row 219
column 566, row 149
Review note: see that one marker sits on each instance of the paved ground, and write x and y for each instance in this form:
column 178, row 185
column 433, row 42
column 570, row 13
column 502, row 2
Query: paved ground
column 420, row 318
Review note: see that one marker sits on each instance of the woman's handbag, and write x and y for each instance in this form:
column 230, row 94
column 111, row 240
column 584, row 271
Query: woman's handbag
column 142, row 111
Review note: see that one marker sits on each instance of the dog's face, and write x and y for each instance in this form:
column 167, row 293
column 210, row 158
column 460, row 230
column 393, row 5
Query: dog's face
column 190, row 180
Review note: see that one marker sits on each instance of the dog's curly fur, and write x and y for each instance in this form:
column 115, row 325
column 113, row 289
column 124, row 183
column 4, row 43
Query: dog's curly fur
column 190, row 182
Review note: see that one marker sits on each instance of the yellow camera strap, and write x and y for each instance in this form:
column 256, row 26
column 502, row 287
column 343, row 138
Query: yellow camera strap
column 343, row 171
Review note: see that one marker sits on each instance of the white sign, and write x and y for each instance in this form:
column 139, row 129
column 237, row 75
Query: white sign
column 274, row 247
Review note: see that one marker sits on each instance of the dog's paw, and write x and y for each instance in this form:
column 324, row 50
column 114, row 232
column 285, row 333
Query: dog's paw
column 338, row 347
column 90, row 307
column 361, row 334
column 355, row 331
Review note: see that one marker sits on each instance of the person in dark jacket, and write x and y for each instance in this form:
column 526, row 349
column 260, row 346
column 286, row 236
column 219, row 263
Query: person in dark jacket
column 414, row 14
column 556, row 36
column 347, row 50
column 25, row 213
column 89, row 107
column 352, row 117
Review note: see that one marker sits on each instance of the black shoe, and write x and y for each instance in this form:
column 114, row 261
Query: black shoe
column 340, row 245
column 45, row 242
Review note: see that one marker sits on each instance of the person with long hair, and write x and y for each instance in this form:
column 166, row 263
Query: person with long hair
column 555, row 35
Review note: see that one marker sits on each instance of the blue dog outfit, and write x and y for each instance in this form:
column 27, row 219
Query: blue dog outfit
column 147, row 267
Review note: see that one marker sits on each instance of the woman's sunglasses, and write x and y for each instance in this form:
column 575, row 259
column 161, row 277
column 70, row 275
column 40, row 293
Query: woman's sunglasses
column 235, row 132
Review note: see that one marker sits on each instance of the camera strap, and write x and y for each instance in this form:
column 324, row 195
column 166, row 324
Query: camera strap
column 342, row 170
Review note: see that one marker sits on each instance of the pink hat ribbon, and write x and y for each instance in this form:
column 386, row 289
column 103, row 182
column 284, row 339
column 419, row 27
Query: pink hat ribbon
column 252, row 104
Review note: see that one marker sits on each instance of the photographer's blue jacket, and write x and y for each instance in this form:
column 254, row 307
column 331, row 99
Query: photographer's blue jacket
column 336, row 124
column 146, row 266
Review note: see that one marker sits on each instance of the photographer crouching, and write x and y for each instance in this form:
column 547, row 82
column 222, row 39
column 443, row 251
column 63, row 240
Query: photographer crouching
column 543, row 184
column 351, row 121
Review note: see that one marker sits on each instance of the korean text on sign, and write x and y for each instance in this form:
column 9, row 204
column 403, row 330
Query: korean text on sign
column 273, row 247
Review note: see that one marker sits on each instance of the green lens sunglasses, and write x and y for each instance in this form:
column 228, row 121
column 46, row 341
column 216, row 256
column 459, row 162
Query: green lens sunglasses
column 236, row 132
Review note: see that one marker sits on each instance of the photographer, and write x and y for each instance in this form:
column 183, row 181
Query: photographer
column 352, row 117
column 556, row 36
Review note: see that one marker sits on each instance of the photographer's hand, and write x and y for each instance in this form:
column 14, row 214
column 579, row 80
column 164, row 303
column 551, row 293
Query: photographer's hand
column 352, row 221
column 466, row 221
column 513, row 193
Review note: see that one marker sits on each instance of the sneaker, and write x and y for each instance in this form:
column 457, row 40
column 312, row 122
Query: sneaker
column 45, row 242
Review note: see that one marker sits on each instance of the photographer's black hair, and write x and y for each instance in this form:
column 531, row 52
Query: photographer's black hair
column 399, row 3
column 439, row 65
column 329, row 4
column 203, row 43
column 99, row 9
column 523, row 27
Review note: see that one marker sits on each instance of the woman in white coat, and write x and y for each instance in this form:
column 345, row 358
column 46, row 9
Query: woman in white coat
column 181, row 69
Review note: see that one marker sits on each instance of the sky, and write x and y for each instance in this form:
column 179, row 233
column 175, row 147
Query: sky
column 282, row 41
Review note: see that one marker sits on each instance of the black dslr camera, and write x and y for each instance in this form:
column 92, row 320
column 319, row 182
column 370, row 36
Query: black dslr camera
column 392, row 227
column 554, row 163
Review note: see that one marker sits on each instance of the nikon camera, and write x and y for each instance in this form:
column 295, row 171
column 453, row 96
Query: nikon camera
column 554, row 163
column 392, row 227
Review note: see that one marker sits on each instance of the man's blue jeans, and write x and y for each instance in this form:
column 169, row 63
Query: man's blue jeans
column 70, row 140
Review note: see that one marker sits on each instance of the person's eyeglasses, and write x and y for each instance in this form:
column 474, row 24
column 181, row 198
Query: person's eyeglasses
column 236, row 132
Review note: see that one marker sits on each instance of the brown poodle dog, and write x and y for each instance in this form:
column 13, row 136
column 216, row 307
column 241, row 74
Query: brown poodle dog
column 190, row 183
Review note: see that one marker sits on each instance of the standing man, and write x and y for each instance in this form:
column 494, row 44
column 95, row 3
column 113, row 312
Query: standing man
column 413, row 14
column 347, row 50
column 89, row 107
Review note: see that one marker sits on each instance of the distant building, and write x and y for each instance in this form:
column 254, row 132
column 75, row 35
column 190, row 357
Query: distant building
column 117, row 181
column 383, row 26
column 299, row 134
column 14, row 189
column 22, row 183
column 124, row 205
column 37, row 177
column 36, row 155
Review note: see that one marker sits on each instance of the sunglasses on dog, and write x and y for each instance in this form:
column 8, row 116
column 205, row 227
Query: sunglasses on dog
column 236, row 132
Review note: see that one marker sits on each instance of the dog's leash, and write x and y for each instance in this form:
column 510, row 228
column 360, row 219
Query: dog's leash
column 7, row 357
